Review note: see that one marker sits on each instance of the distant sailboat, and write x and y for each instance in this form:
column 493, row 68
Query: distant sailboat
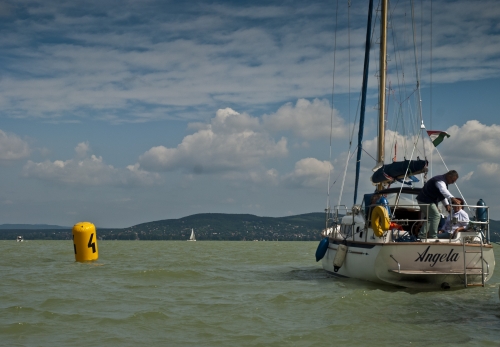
column 192, row 237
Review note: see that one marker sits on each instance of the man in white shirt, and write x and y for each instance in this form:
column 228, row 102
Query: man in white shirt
column 455, row 222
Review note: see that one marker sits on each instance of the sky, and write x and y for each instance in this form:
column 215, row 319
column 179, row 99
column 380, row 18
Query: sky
column 125, row 112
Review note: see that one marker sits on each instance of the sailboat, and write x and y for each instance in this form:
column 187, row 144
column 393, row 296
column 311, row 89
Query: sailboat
column 192, row 237
column 378, row 239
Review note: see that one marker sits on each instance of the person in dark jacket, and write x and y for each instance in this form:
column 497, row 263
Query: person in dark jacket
column 434, row 191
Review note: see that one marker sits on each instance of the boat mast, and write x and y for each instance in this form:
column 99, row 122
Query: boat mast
column 382, row 73
column 363, row 98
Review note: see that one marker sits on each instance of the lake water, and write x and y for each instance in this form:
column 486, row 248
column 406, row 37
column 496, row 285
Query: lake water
column 167, row 293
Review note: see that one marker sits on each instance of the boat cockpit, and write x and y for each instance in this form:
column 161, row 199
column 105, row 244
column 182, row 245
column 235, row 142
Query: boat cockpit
column 405, row 219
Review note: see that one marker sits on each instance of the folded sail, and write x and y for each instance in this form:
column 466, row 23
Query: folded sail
column 397, row 170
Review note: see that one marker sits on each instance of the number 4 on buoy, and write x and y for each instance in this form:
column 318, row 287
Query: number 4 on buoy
column 85, row 241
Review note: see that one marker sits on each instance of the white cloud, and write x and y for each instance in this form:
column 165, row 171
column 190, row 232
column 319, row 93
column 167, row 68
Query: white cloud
column 308, row 120
column 228, row 121
column 489, row 169
column 146, row 63
column 486, row 175
column 231, row 142
column 12, row 147
column 259, row 176
column 88, row 170
column 481, row 183
column 467, row 176
column 472, row 142
column 82, row 148
column 309, row 172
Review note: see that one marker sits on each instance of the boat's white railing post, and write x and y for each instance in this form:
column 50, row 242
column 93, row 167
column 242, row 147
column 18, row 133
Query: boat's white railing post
column 426, row 221
column 482, row 227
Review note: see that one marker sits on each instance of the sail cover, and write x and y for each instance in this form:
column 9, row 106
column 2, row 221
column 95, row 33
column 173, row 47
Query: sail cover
column 398, row 169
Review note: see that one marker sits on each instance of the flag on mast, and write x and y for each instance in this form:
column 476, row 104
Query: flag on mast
column 437, row 136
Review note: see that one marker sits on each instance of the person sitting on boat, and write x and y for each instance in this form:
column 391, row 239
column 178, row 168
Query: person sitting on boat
column 455, row 222
column 383, row 202
column 434, row 191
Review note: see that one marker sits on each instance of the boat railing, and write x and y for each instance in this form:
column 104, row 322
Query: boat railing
column 478, row 223
column 410, row 210
column 408, row 217
column 338, row 212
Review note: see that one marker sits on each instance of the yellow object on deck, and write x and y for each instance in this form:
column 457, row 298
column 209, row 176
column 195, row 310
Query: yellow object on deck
column 380, row 220
column 85, row 241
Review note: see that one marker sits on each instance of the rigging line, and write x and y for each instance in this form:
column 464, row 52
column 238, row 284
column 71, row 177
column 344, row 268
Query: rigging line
column 393, row 8
column 350, row 157
column 396, row 126
column 456, row 185
column 345, row 173
column 356, row 116
column 375, row 21
column 364, row 150
column 351, row 136
column 421, row 36
column 401, row 86
column 349, row 59
column 409, row 96
column 331, row 114
column 408, row 167
column 430, row 72
column 416, row 68
column 362, row 99
column 396, row 53
column 349, row 100
column 400, row 83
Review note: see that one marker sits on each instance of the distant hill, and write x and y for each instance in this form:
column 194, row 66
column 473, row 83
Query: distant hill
column 220, row 226
column 207, row 226
column 30, row 226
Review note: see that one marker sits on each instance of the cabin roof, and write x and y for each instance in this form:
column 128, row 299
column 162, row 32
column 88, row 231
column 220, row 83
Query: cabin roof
column 404, row 190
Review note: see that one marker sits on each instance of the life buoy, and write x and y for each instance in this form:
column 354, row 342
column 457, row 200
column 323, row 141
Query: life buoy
column 380, row 220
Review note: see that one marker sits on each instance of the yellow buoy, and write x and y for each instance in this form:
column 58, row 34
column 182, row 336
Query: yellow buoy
column 85, row 241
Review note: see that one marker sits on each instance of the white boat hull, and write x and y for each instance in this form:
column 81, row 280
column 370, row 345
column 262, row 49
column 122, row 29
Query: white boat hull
column 413, row 264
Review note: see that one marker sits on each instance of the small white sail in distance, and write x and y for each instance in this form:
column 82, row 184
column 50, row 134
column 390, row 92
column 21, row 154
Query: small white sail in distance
column 192, row 237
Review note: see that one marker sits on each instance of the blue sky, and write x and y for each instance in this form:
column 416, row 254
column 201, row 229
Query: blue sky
column 123, row 112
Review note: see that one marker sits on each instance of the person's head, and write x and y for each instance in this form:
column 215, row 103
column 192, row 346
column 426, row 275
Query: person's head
column 451, row 176
column 458, row 207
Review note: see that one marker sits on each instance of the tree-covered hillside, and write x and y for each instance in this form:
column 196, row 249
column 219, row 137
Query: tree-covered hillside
column 207, row 226
column 219, row 226
column 210, row 226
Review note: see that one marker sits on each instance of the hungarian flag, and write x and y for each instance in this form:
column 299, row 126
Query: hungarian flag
column 437, row 136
